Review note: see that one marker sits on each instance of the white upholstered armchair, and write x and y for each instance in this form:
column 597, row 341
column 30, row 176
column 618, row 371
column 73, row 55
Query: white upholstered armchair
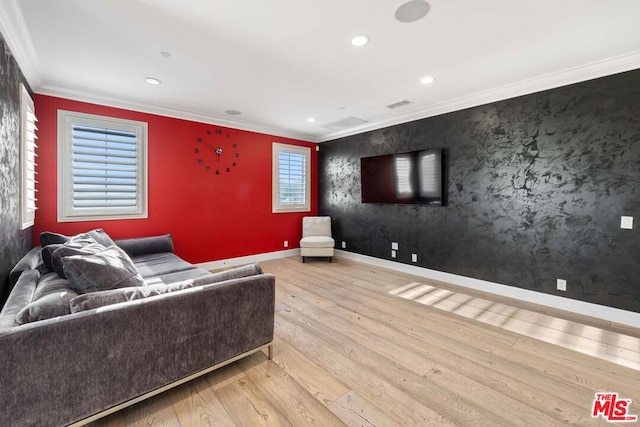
column 316, row 237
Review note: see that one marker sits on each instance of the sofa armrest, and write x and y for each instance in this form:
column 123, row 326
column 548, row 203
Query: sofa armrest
column 65, row 369
column 146, row 245
column 28, row 262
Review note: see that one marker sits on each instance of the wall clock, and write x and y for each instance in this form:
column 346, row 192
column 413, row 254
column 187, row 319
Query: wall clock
column 216, row 153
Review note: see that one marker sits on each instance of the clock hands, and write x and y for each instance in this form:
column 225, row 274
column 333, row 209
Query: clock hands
column 218, row 150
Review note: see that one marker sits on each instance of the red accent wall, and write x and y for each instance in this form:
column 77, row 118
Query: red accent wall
column 211, row 217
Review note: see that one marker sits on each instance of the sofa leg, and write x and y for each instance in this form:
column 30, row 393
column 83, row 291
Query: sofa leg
column 303, row 260
column 330, row 259
column 270, row 351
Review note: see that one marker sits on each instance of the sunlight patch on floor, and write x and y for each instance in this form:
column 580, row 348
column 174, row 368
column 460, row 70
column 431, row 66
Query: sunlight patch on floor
column 617, row 348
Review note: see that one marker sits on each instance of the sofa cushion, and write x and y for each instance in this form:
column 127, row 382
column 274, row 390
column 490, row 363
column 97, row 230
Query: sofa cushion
column 103, row 298
column 160, row 263
column 317, row 242
column 176, row 276
column 20, row 296
column 100, row 299
column 50, row 299
column 107, row 269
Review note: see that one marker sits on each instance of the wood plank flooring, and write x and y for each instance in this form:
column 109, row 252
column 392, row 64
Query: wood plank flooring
column 359, row 345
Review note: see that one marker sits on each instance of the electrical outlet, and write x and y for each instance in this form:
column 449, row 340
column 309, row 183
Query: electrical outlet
column 626, row 222
column 561, row 284
column 394, row 246
column 344, row 244
column 393, row 254
column 414, row 257
column 286, row 243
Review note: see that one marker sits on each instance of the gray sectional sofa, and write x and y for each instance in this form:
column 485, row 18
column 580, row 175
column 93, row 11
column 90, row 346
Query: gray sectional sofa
column 78, row 347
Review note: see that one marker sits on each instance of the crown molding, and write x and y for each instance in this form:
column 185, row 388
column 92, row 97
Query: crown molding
column 14, row 30
column 60, row 92
column 602, row 68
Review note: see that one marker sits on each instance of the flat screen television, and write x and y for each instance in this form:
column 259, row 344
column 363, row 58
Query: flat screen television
column 416, row 177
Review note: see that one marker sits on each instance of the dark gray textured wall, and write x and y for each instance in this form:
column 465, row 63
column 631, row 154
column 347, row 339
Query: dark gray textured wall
column 536, row 188
column 13, row 243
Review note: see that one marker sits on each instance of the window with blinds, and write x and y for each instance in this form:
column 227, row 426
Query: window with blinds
column 103, row 167
column 291, row 178
column 28, row 156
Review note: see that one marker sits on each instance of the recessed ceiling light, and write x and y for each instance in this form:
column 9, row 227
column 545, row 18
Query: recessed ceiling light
column 427, row 80
column 152, row 80
column 412, row 11
column 359, row 40
column 311, row 119
column 233, row 112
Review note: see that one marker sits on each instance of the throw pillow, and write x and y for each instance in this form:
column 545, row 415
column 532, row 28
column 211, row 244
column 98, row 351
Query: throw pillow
column 99, row 235
column 107, row 269
column 79, row 244
column 50, row 238
column 68, row 249
column 100, row 299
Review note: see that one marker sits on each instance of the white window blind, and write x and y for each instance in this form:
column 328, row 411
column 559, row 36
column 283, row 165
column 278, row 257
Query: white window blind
column 291, row 178
column 102, row 171
column 28, row 156
column 105, row 168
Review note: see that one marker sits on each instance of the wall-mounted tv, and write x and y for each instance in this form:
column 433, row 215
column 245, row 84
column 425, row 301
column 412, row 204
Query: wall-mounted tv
column 416, row 177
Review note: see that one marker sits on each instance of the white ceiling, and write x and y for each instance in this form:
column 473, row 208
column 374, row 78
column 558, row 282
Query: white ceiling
column 280, row 62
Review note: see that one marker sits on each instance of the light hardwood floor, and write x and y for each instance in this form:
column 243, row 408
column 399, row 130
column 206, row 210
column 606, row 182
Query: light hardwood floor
column 360, row 345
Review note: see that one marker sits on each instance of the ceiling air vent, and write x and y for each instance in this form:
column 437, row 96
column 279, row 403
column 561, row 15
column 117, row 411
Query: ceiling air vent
column 345, row 123
column 399, row 104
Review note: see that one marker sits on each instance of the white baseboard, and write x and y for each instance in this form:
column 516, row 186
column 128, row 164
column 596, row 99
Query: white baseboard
column 602, row 312
column 232, row 262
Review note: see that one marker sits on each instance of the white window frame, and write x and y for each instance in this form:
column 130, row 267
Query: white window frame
column 66, row 210
column 277, row 205
column 28, row 200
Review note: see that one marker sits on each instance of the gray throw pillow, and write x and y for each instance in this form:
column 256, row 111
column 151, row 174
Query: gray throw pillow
column 114, row 296
column 72, row 248
column 108, row 269
column 47, row 254
column 99, row 235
